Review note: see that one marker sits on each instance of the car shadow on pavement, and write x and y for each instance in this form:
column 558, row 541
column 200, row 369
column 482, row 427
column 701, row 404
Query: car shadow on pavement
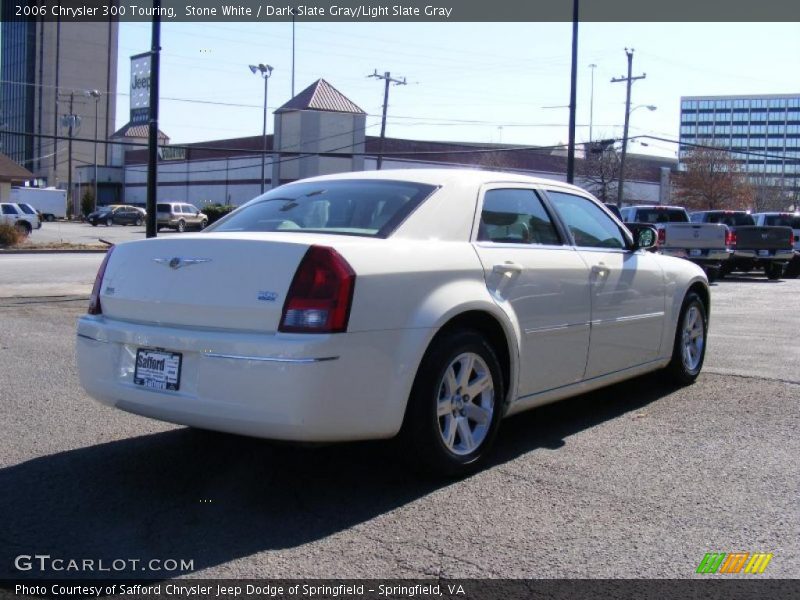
column 213, row 498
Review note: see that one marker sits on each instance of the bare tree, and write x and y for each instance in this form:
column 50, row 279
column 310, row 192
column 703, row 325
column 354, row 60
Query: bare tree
column 599, row 170
column 770, row 195
column 711, row 179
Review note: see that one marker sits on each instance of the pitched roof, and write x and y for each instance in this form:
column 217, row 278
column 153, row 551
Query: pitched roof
column 321, row 95
column 137, row 131
column 11, row 171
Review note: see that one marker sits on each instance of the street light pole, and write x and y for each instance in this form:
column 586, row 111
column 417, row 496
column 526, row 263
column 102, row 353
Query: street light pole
column 591, row 102
column 96, row 95
column 573, row 95
column 265, row 71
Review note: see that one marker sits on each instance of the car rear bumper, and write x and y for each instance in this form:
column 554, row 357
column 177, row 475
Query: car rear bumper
column 297, row 387
column 706, row 254
column 783, row 254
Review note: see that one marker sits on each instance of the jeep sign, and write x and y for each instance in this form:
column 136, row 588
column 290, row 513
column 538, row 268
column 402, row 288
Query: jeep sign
column 140, row 88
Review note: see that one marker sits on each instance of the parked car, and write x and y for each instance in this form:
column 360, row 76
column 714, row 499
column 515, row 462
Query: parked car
column 179, row 216
column 784, row 219
column 13, row 214
column 31, row 212
column 701, row 243
column 117, row 214
column 614, row 210
column 424, row 303
column 770, row 248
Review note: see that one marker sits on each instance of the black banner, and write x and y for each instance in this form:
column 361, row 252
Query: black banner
column 705, row 587
column 405, row 10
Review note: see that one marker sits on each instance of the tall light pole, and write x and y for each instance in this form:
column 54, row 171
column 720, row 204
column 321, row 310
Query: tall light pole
column 96, row 95
column 573, row 87
column 265, row 71
column 591, row 102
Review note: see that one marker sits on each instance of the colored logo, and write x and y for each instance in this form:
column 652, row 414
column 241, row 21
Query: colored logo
column 734, row 562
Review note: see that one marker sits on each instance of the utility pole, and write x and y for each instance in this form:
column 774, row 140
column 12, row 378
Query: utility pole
column 70, row 121
column 387, row 78
column 152, row 137
column 573, row 79
column 591, row 102
column 629, row 80
column 265, row 71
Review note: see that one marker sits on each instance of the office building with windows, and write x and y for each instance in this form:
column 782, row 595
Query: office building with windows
column 43, row 67
column 762, row 132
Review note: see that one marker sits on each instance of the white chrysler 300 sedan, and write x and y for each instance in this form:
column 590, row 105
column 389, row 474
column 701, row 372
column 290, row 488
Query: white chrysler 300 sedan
column 425, row 303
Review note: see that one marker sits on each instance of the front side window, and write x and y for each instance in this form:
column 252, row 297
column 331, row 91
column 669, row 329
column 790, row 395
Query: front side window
column 349, row 207
column 589, row 225
column 26, row 208
column 515, row 216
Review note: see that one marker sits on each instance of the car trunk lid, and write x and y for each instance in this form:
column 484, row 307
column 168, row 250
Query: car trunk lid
column 220, row 281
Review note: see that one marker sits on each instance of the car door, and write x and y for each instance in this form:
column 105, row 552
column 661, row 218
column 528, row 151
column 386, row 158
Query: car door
column 627, row 287
column 543, row 282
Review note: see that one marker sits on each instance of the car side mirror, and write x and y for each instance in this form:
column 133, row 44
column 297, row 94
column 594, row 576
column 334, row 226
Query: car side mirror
column 645, row 237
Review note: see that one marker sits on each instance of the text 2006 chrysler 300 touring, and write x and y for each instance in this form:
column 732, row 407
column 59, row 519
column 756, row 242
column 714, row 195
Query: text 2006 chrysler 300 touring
column 429, row 303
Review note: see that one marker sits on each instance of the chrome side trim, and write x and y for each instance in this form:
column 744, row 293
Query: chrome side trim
column 88, row 337
column 563, row 327
column 655, row 315
column 276, row 359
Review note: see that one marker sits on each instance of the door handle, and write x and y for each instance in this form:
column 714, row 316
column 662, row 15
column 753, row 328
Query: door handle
column 507, row 268
column 600, row 270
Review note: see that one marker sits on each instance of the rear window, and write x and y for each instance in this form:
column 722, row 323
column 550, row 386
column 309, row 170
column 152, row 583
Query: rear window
column 348, row 207
column 792, row 221
column 730, row 219
column 661, row 216
column 27, row 209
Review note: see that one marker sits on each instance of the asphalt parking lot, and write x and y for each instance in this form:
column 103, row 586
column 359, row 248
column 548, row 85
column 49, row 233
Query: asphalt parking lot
column 638, row 480
column 67, row 232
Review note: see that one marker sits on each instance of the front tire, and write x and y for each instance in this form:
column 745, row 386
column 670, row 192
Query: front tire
column 181, row 227
column 109, row 222
column 139, row 221
column 455, row 405
column 689, row 349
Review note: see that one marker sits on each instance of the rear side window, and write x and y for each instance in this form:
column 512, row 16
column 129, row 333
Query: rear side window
column 731, row 219
column 163, row 208
column 589, row 225
column 349, row 207
column 515, row 216
column 9, row 210
column 792, row 221
column 660, row 215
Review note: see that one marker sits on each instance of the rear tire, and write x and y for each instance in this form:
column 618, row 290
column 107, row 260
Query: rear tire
column 49, row 218
column 773, row 271
column 689, row 348
column 455, row 405
column 23, row 227
column 181, row 227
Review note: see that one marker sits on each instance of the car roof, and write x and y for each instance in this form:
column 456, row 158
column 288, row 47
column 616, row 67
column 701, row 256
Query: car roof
column 445, row 176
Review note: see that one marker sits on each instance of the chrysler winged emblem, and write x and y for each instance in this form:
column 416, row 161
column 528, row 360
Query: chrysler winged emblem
column 176, row 262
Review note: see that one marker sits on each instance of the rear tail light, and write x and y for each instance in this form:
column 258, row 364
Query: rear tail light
column 662, row 236
column 94, row 299
column 730, row 237
column 321, row 293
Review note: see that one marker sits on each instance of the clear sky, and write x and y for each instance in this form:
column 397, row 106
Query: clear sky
column 482, row 82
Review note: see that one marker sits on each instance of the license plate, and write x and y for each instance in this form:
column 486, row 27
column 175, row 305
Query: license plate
column 695, row 252
column 763, row 252
column 157, row 369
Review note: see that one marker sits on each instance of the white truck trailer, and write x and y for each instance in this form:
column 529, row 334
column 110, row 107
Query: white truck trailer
column 50, row 202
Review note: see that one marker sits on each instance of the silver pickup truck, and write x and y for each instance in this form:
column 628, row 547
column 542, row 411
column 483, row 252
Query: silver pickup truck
column 703, row 244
